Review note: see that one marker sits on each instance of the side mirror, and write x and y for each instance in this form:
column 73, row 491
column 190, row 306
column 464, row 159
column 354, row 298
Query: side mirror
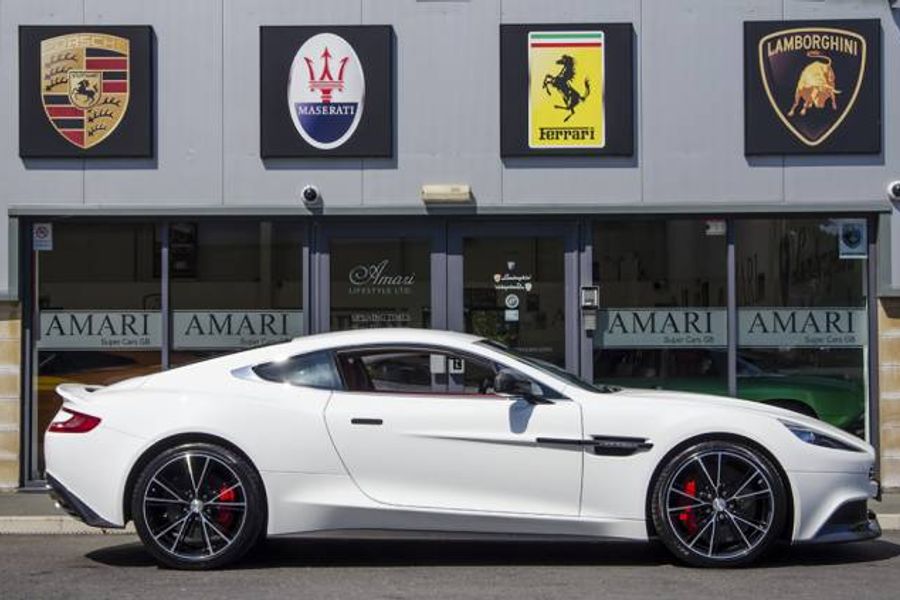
column 510, row 383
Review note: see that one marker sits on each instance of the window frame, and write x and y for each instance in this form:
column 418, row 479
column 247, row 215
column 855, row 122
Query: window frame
column 550, row 392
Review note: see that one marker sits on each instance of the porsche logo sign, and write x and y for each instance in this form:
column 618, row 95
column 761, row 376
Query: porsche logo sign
column 85, row 91
column 84, row 85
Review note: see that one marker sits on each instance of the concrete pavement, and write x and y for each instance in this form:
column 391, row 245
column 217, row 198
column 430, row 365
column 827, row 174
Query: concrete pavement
column 93, row 567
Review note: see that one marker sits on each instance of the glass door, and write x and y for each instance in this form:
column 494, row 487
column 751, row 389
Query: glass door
column 516, row 284
column 385, row 276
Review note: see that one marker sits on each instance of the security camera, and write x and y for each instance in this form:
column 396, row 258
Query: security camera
column 311, row 194
column 893, row 190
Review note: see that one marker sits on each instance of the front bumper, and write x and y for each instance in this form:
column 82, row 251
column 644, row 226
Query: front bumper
column 73, row 505
column 851, row 522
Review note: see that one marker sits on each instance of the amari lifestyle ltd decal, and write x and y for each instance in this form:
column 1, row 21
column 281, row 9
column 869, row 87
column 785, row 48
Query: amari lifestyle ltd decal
column 812, row 87
column 567, row 89
column 326, row 92
column 85, row 91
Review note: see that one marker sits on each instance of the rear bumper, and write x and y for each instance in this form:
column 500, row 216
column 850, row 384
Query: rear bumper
column 73, row 505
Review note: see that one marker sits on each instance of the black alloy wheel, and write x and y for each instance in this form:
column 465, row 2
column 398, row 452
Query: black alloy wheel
column 719, row 504
column 198, row 506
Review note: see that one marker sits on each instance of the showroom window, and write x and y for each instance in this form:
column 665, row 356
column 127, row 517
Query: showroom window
column 98, row 295
column 663, row 319
column 514, row 293
column 380, row 283
column 234, row 285
column 802, row 321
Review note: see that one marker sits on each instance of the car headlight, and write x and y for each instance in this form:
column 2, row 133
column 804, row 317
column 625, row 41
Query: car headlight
column 817, row 438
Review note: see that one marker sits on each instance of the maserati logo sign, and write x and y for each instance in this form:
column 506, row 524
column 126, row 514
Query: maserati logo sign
column 326, row 91
column 84, row 85
column 812, row 77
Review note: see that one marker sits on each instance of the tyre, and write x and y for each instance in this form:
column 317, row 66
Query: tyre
column 198, row 506
column 719, row 504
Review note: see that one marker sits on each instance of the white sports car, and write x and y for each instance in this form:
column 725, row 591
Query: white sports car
column 415, row 430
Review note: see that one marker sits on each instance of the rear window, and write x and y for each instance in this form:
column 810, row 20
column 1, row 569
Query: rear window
column 314, row 370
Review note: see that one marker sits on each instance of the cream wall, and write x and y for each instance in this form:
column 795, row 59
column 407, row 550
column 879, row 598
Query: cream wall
column 10, row 328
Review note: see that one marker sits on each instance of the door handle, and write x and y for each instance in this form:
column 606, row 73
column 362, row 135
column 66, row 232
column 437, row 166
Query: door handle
column 359, row 421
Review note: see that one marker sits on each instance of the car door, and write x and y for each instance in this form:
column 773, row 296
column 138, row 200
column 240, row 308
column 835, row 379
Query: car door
column 421, row 427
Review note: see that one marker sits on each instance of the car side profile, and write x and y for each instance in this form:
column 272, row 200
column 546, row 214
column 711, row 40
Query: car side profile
column 420, row 430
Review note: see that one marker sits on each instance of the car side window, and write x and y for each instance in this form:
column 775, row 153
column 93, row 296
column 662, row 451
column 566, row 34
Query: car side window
column 316, row 370
column 423, row 371
column 416, row 371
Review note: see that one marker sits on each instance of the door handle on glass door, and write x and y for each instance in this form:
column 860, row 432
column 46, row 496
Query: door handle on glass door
column 359, row 421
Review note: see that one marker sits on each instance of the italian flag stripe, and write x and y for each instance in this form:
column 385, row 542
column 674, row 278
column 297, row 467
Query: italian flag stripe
column 564, row 40
column 568, row 36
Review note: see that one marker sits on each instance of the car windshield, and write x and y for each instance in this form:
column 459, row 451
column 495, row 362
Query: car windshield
column 549, row 368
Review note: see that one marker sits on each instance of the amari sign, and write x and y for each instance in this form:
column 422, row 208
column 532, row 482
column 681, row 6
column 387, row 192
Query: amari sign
column 142, row 330
column 212, row 330
column 654, row 328
column 92, row 330
column 797, row 327
column 707, row 328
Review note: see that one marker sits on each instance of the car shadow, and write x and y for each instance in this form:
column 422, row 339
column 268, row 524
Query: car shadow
column 325, row 553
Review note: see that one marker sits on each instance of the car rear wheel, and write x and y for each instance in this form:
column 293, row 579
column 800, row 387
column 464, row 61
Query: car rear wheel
column 198, row 506
column 719, row 504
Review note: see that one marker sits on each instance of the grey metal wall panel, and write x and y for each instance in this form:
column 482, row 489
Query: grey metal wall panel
column 692, row 104
column 187, row 168
column 689, row 134
column 248, row 179
column 577, row 180
column 448, row 100
column 823, row 179
column 32, row 182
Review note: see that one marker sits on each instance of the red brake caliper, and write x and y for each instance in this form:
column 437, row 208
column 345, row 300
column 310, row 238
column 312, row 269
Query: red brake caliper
column 687, row 516
column 224, row 515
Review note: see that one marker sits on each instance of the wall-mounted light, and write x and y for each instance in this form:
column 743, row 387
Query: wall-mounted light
column 446, row 193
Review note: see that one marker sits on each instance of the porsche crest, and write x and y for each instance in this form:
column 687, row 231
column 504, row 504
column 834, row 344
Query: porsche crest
column 85, row 85
column 812, row 76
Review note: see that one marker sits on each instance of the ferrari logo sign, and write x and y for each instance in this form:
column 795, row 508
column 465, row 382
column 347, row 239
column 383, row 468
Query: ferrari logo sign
column 812, row 76
column 84, row 85
column 565, row 95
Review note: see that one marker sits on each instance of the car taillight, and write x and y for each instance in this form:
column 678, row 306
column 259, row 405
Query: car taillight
column 76, row 423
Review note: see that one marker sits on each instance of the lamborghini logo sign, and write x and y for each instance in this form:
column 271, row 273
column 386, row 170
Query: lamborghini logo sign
column 812, row 76
column 84, row 85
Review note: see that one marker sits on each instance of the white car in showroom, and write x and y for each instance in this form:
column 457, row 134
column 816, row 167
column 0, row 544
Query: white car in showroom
column 419, row 430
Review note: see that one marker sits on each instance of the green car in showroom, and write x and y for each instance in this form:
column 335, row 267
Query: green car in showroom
column 835, row 399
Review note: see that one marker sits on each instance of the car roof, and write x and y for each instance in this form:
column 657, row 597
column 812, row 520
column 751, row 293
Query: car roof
column 385, row 335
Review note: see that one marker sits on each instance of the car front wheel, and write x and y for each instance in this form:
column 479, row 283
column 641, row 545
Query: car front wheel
column 719, row 503
column 198, row 506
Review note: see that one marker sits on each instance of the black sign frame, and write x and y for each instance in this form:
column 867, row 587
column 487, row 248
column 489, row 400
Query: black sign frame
column 619, row 68
column 133, row 136
column 374, row 135
column 860, row 130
